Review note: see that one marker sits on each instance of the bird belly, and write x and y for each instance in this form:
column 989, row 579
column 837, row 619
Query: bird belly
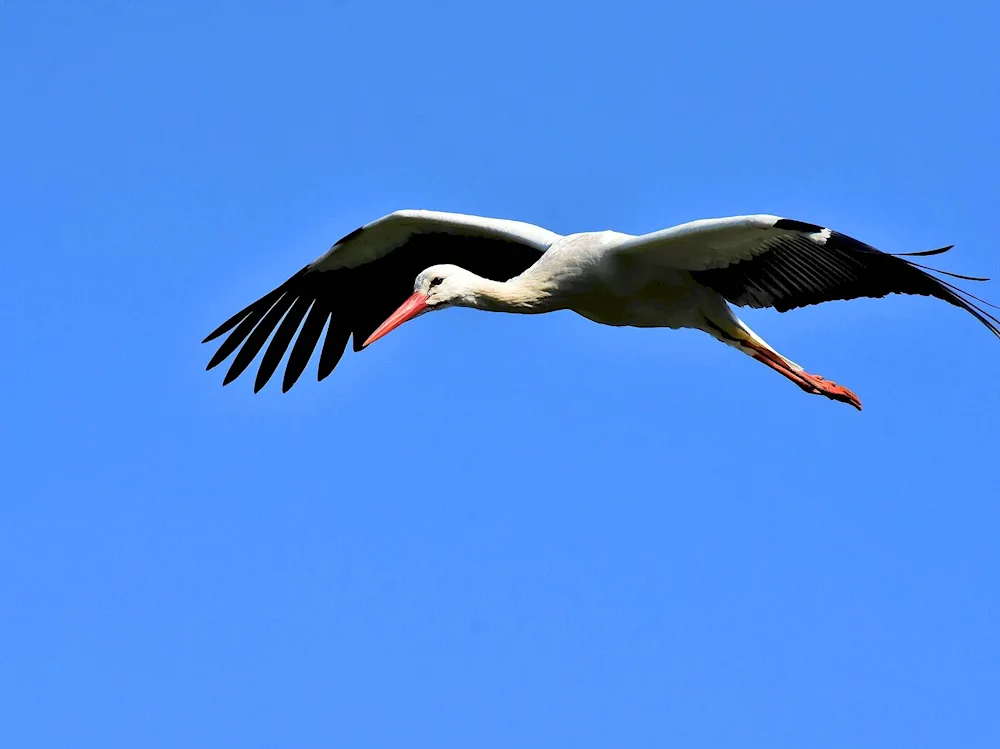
column 665, row 302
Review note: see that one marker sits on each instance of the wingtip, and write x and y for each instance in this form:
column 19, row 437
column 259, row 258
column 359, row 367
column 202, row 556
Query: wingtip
column 925, row 253
column 214, row 362
column 219, row 331
column 225, row 327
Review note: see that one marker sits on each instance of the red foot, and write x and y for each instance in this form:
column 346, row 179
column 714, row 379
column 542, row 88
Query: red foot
column 811, row 383
column 832, row 390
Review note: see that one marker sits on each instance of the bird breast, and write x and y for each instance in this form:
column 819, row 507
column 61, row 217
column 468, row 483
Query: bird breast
column 640, row 295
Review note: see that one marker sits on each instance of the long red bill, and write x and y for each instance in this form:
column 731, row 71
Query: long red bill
column 409, row 309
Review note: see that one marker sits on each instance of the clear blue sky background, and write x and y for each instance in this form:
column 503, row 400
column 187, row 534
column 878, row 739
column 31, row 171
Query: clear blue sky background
column 491, row 531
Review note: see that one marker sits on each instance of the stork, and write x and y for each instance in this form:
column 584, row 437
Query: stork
column 411, row 262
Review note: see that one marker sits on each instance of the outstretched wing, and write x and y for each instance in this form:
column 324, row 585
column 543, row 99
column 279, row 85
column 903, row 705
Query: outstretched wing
column 353, row 287
column 768, row 261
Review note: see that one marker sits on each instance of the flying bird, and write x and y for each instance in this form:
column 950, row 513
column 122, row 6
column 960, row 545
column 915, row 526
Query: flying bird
column 411, row 262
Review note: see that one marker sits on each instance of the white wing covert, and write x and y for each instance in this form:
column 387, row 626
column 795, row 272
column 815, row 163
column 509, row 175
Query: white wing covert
column 768, row 261
column 357, row 283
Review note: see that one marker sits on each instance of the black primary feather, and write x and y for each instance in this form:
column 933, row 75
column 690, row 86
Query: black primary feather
column 797, row 270
column 349, row 302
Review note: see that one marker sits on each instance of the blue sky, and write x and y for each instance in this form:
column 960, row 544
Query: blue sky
column 491, row 531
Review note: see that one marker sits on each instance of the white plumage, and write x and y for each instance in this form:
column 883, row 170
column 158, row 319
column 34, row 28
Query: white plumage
column 412, row 262
column 392, row 231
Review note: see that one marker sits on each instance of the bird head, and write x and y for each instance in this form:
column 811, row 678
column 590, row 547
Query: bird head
column 437, row 287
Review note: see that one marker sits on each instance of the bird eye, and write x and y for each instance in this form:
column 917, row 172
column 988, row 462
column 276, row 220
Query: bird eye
column 436, row 281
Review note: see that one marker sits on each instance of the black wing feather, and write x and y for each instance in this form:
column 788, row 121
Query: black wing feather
column 312, row 329
column 255, row 341
column 279, row 344
column 797, row 270
column 350, row 302
column 240, row 333
column 333, row 349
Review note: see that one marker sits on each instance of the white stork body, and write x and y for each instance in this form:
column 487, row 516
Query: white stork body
column 683, row 277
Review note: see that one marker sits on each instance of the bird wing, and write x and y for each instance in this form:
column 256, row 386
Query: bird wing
column 361, row 279
column 769, row 261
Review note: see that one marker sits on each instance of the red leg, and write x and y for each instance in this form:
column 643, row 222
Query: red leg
column 810, row 383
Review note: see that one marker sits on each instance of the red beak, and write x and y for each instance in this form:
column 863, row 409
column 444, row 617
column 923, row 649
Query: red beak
column 416, row 304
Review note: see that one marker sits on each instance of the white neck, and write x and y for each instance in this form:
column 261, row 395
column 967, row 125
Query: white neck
column 520, row 295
